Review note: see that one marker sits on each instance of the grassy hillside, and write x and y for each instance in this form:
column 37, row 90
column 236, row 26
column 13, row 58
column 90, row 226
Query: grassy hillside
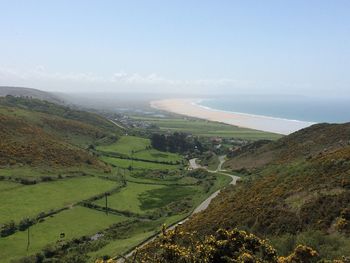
column 307, row 143
column 298, row 191
column 35, row 132
column 36, row 105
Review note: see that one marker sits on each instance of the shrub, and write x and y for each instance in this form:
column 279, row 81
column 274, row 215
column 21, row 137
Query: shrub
column 8, row 229
column 225, row 246
column 301, row 254
column 25, row 223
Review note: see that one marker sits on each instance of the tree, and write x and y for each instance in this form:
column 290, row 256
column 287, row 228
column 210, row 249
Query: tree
column 158, row 142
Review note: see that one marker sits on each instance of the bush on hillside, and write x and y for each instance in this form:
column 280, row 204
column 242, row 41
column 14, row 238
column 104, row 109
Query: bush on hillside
column 175, row 246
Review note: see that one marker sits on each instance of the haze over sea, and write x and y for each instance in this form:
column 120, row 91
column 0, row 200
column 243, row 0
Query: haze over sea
column 302, row 108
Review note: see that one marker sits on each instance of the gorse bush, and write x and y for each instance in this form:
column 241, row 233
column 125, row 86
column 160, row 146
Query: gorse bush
column 175, row 246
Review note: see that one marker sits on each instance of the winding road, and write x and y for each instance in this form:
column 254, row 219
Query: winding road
column 204, row 205
column 206, row 202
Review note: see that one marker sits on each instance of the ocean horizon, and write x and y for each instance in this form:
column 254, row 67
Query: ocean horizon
column 296, row 108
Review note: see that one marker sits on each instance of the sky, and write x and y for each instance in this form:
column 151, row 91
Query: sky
column 253, row 47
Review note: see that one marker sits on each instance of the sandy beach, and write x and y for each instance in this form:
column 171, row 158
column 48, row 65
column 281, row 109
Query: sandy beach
column 190, row 107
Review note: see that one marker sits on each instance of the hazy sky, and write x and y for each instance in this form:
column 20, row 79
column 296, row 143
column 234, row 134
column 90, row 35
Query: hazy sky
column 298, row 47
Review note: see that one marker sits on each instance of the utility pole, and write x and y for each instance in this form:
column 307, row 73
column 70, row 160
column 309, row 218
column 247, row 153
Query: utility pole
column 28, row 238
column 106, row 203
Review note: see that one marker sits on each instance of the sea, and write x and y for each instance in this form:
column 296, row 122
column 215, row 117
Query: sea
column 292, row 107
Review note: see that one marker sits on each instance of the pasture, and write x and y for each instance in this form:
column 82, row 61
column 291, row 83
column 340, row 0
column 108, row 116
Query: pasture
column 7, row 186
column 126, row 163
column 139, row 148
column 130, row 198
column 206, row 128
column 37, row 173
column 74, row 223
column 30, row 200
column 161, row 191
column 126, row 145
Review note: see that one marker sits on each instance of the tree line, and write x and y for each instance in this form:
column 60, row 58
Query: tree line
column 176, row 142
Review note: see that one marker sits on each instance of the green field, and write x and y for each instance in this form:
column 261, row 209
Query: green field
column 36, row 173
column 143, row 198
column 74, row 223
column 170, row 180
column 155, row 155
column 137, row 198
column 207, row 128
column 168, row 196
column 7, row 186
column 120, row 246
column 126, row 145
column 139, row 148
column 126, row 163
column 29, row 201
column 135, row 236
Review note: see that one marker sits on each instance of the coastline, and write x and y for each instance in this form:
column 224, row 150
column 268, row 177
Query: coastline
column 192, row 108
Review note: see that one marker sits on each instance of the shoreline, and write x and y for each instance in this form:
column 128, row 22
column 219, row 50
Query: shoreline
column 192, row 108
column 248, row 114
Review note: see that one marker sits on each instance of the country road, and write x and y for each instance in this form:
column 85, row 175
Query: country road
column 194, row 165
column 207, row 201
column 221, row 162
column 204, row 205
column 219, row 170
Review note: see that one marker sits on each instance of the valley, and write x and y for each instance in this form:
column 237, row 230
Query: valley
column 117, row 188
column 77, row 187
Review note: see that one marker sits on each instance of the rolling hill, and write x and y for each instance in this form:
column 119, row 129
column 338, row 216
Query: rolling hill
column 29, row 93
column 39, row 133
column 293, row 191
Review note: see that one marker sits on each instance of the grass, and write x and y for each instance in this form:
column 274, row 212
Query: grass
column 207, row 128
column 139, row 148
column 212, row 162
column 145, row 230
column 166, row 181
column 74, row 223
column 7, row 186
column 128, row 199
column 79, row 221
column 120, row 246
column 158, row 156
column 29, row 201
column 126, row 163
column 221, row 181
column 33, row 173
column 127, row 145
column 136, row 236
column 143, row 198
column 331, row 246
column 163, row 181
column 162, row 196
